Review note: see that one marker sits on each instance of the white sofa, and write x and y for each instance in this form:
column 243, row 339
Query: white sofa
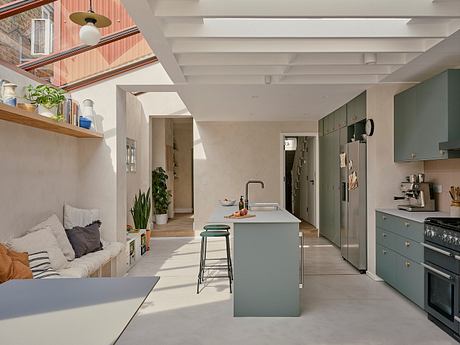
column 97, row 264
column 51, row 237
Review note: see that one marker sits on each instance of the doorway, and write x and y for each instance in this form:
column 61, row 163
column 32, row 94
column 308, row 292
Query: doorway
column 172, row 149
column 299, row 177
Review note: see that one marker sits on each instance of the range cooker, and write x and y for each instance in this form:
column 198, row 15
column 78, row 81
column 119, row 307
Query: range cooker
column 442, row 273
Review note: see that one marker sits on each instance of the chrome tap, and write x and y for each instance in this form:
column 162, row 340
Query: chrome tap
column 247, row 185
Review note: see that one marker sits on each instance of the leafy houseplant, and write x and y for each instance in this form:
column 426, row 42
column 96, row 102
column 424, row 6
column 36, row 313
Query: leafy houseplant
column 47, row 98
column 161, row 195
column 141, row 210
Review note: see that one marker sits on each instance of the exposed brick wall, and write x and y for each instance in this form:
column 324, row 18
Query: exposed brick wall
column 14, row 33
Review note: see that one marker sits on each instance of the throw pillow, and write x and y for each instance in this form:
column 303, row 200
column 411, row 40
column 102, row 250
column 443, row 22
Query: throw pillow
column 41, row 240
column 40, row 266
column 13, row 265
column 85, row 239
column 59, row 232
column 79, row 217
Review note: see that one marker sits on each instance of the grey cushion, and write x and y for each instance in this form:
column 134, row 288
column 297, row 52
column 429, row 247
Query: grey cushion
column 85, row 239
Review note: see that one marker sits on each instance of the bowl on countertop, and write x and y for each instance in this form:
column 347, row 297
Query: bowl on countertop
column 227, row 202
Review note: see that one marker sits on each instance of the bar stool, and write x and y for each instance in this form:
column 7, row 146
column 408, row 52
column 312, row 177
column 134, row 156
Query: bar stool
column 214, row 227
column 204, row 236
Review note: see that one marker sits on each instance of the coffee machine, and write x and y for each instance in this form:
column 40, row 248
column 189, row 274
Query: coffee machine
column 418, row 194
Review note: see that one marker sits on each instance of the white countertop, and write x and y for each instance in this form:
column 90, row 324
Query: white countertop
column 414, row 216
column 279, row 216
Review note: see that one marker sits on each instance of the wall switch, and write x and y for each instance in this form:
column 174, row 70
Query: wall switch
column 437, row 188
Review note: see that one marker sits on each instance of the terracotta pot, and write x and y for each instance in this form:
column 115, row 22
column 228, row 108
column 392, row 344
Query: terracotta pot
column 148, row 235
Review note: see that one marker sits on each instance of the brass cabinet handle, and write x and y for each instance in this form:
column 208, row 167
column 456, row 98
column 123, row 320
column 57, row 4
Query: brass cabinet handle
column 406, row 224
column 384, row 234
column 413, row 155
column 407, row 264
column 384, row 252
column 407, row 244
column 384, row 218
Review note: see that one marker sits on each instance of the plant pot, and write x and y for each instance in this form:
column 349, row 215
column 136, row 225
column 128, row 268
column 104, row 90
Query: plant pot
column 48, row 112
column 148, row 235
column 161, row 218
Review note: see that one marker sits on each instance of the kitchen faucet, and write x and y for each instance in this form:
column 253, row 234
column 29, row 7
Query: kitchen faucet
column 247, row 185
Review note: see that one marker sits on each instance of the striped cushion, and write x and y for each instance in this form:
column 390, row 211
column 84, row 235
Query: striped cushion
column 40, row 266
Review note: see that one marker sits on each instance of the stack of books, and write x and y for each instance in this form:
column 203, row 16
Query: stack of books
column 71, row 112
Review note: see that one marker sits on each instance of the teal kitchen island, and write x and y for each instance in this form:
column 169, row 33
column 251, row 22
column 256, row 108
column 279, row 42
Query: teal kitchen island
column 267, row 261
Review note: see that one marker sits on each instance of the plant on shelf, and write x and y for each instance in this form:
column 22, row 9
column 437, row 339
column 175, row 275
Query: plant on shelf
column 141, row 210
column 48, row 98
column 161, row 195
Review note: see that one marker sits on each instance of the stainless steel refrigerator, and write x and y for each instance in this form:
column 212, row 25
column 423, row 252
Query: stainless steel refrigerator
column 353, row 214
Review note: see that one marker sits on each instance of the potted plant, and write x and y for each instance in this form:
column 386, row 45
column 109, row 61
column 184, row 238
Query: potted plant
column 141, row 210
column 161, row 195
column 47, row 98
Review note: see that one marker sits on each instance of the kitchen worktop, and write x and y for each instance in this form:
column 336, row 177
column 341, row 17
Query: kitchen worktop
column 414, row 216
column 274, row 216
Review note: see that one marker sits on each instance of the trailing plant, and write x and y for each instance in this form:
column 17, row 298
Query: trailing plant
column 45, row 95
column 160, row 194
column 141, row 210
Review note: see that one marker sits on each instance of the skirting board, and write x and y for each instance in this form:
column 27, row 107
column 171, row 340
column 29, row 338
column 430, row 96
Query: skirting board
column 374, row 276
column 183, row 210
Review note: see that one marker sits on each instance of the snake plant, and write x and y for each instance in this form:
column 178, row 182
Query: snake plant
column 141, row 210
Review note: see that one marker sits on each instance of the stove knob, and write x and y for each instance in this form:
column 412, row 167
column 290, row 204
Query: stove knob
column 444, row 237
column 456, row 241
column 450, row 239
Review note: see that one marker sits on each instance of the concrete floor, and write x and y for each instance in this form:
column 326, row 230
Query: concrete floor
column 339, row 306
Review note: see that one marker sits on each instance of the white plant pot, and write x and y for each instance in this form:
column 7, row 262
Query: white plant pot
column 44, row 111
column 161, row 218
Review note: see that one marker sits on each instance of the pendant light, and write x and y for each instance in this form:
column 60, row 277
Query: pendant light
column 90, row 23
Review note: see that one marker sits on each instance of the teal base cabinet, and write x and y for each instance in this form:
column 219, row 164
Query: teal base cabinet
column 399, row 255
column 266, row 269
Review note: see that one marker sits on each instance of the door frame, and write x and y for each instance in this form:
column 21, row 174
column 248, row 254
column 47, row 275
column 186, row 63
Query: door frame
column 283, row 135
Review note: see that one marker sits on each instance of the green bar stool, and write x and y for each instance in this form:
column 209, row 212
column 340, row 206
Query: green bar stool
column 204, row 236
column 214, row 227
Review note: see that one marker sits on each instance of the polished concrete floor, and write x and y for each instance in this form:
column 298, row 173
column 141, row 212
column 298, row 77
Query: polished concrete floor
column 339, row 306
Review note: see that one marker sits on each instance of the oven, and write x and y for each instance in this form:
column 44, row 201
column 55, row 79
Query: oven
column 442, row 286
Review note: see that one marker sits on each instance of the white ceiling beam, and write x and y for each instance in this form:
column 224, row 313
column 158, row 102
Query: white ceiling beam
column 289, row 70
column 231, row 45
column 309, row 28
column 307, row 9
column 292, row 79
column 150, row 27
column 285, row 59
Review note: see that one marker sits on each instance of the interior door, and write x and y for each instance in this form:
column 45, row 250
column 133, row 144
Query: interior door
column 311, row 181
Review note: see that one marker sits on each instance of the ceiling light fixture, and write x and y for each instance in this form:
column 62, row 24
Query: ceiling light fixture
column 90, row 23
column 370, row 58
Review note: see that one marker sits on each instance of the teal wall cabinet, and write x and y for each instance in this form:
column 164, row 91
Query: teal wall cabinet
column 426, row 115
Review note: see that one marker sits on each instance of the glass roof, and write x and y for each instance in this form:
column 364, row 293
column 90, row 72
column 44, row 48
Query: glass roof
column 45, row 30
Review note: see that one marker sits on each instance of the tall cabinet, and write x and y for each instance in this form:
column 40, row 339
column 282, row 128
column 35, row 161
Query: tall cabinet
column 335, row 130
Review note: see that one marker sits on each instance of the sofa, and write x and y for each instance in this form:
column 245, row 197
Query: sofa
column 53, row 239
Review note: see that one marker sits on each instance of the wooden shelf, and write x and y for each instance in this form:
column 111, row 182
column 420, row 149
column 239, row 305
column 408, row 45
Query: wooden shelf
column 27, row 118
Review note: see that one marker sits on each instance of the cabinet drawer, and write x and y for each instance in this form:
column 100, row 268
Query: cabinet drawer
column 386, row 262
column 410, row 280
column 401, row 226
column 411, row 249
column 387, row 239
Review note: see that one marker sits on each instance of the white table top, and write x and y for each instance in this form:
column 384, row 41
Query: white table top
column 414, row 216
column 279, row 216
column 70, row 311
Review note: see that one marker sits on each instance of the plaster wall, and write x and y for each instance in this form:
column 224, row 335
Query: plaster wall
column 183, row 184
column 228, row 154
column 39, row 171
column 383, row 174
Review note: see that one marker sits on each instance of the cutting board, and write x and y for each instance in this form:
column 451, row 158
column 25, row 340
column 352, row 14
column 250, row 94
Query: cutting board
column 240, row 217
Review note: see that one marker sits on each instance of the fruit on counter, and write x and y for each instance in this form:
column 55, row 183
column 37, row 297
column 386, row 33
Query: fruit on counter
column 243, row 212
column 236, row 214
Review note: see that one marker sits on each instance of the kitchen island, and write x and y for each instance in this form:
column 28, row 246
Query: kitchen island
column 266, row 261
